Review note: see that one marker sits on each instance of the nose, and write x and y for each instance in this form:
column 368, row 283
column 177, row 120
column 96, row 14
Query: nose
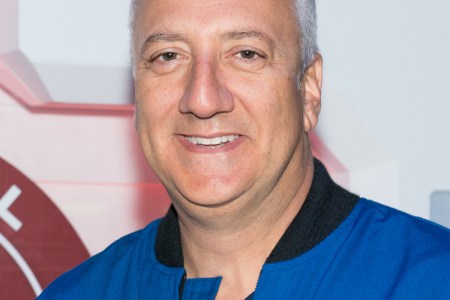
column 206, row 93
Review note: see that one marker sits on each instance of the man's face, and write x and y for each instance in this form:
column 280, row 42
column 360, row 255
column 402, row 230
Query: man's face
column 219, row 114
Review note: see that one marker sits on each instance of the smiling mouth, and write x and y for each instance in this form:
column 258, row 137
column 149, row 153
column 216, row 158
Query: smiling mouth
column 211, row 142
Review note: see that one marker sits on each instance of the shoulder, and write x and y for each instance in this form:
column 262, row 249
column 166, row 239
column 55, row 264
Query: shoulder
column 414, row 248
column 399, row 230
column 391, row 253
column 413, row 228
column 113, row 266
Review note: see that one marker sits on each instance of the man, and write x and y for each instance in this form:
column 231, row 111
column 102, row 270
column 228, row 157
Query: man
column 226, row 93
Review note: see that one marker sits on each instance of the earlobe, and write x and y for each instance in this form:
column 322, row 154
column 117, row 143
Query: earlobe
column 312, row 89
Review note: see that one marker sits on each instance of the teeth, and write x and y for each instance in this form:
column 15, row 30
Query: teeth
column 214, row 141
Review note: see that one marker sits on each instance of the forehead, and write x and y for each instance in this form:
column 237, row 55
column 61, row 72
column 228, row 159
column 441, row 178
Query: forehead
column 276, row 18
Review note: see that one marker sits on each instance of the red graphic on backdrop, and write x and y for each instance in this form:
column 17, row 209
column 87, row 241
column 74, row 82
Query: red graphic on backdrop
column 37, row 243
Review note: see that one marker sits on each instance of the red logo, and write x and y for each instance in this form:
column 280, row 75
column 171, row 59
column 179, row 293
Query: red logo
column 37, row 243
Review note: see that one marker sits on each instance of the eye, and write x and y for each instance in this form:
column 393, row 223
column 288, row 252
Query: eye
column 247, row 58
column 167, row 56
column 248, row 54
column 166, row 60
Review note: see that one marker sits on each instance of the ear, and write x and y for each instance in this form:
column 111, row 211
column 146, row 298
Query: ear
column 312, row 89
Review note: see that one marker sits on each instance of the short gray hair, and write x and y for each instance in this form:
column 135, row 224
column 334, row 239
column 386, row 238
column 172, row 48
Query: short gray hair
column 306, row 19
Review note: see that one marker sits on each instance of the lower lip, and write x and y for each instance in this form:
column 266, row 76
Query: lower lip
column 210, row 149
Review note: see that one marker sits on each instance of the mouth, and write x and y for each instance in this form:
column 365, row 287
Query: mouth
column 214, row 142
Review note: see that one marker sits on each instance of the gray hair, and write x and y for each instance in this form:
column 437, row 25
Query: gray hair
column 306, row 19
column 307, row 22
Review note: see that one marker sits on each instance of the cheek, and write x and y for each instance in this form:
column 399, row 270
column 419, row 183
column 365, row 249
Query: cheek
column 148, row 123
column 157, row 113
column 156, row 100
column 288, row 105
column 273, row 102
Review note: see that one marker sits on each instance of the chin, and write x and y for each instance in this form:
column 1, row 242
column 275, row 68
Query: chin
column 210, row 202
column 211, row 198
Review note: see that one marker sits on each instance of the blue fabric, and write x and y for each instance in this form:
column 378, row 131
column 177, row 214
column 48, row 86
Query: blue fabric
column 201, row 288
column 376, row 253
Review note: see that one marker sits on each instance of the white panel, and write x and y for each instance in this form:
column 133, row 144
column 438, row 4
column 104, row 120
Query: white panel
column 8, row 26
column 71, row 147
column 81, row 32
column 88, row 84
column 388, row 62
column 79, row 48
column 440, row 208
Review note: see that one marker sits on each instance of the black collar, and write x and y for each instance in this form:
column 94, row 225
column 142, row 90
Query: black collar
column 325, row 208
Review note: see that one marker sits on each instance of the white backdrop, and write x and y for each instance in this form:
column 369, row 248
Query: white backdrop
column 389, row 62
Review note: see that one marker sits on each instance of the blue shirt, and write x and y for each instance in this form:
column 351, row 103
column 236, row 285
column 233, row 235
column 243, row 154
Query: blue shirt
column 353, row 249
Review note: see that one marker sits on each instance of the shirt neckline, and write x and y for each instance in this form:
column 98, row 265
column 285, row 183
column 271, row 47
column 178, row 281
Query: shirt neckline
column 325, row 208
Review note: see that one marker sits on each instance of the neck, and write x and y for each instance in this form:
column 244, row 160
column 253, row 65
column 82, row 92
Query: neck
column 234, row 241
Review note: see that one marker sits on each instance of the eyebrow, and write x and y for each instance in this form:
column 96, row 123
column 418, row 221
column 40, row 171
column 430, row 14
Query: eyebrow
column 160, row 36
column 239, row 35
column 231, row 35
